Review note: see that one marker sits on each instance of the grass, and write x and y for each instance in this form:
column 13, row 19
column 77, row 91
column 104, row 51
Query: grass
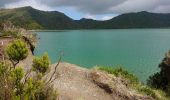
column 120, row 72
column 134, row 82
column 12, row 33
column 147, row 90
column 154, row 93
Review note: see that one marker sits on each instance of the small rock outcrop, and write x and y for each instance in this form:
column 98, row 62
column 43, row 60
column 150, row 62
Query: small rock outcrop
column 116, row 87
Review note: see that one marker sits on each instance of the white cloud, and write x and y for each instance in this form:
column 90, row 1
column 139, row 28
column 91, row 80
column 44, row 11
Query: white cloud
column 85, row 6
column 32, row 3
column 95, row 7
column 88, row 16
column 4, row 2
column 163, row 9
column 106, row 17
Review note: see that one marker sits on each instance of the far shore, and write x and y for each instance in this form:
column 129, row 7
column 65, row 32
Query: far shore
column 90, row 29
column 47, row 30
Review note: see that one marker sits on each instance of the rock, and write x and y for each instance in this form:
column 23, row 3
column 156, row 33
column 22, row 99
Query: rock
column 115, row 86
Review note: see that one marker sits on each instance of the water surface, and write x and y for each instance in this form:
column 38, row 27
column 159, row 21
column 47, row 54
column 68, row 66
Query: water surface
column 138, row 50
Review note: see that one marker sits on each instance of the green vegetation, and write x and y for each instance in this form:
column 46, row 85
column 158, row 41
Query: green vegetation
column 161, row 80
column 155, row 93
column 21, row 83
column 120, row 72
column 41, row 64
column 147, row 90
column 134, row 83
column 14, row 34
column 30, row 18
column 16, row 51
column 8, row 30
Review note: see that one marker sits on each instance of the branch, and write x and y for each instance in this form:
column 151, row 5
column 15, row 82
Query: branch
column 13, row 63
column 54, row 71
column 26, row 76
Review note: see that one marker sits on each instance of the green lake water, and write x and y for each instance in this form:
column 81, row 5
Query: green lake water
column 137, row 50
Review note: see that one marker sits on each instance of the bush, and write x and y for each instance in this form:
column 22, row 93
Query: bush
column 6, row 85
column 16, row 76
column 41, row 64
column 38, row 90
column 18, row 85
column 16, row 51
column 161, row 80
column 157, row 81
column 46, row 93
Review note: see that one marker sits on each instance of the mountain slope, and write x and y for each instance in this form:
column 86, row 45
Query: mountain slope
column 130, row 20
column 30, row 18
column 141, row 20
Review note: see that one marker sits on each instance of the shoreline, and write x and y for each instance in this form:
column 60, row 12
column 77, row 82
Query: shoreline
column 60, row 30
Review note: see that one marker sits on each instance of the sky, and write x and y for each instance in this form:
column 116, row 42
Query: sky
column 93, row 9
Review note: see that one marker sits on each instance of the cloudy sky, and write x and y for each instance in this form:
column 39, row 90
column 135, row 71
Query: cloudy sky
column 96, row 9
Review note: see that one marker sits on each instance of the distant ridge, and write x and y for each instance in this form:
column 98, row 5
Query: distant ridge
column 30, row 18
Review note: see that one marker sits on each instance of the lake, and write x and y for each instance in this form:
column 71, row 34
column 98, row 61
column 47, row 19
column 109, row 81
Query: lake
column 137, row 50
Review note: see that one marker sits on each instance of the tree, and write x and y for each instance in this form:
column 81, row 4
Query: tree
column 161, row 80
column 16, row 51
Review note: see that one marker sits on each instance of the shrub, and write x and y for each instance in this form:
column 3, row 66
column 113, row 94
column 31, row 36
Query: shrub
column 46, row 93
column 157, row 81
column 16, row 76
column 18, row 85
column 16, row 51
column 41, row 64
column 38, row 90
column 3, row 68
column 161, row 80
column 6, row 85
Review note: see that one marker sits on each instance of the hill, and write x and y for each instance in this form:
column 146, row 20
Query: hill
column 141, row 20
column 30, row 18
